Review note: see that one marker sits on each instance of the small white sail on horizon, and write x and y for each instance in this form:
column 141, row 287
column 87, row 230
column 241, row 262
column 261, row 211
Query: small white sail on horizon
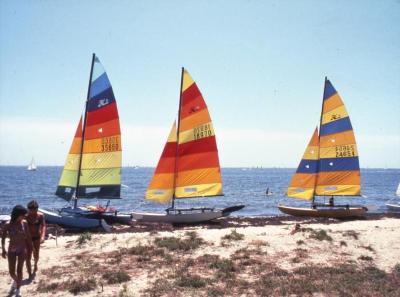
column 32, row 166
column 398, row 190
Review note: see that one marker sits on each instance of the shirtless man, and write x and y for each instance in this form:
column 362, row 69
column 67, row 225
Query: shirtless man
column 20, row 242
column 37, row 229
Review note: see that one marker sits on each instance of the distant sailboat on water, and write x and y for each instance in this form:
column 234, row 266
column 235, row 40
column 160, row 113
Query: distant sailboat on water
column 330, row 165
column 32, row 165
column 189, row 164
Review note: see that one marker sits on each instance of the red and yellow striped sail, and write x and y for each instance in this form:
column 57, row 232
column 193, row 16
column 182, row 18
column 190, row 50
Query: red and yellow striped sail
column 196, row 171
column 99, row 159
column 303, row 182
column 161, row 187
column 339, row 170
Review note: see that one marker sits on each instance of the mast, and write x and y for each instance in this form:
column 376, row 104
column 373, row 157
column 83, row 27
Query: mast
column 177, row 139
column 83, row 132
column 319, row 143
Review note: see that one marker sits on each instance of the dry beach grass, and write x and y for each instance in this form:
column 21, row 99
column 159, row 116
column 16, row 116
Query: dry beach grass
column 323, row 258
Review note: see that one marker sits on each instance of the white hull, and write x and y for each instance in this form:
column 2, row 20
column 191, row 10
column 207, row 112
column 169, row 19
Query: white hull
column 73, row 222
column 393, row 206
column 177, row 218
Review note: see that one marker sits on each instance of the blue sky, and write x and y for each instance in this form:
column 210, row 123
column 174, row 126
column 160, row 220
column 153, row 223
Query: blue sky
column 259, row 64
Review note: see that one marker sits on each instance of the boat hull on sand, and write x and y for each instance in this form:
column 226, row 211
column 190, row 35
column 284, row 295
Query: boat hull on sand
column 111, row 217
column 393, row 206
column 73, row 222
column 185, row 216
column 329, row 212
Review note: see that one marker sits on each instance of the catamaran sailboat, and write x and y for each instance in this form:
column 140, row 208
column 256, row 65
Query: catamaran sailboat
column 93, row 165
column 330, row 165
column 189, row 164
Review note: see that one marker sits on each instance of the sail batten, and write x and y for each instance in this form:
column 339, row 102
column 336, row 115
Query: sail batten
column 95, row 165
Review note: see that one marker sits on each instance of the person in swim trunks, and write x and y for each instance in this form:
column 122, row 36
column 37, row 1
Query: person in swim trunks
column 20, row 241
column 37, row 228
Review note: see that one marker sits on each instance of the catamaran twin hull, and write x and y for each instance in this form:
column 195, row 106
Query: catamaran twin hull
column 186, row 216
column 73, row 222
column 393, row 207
column 331, row 212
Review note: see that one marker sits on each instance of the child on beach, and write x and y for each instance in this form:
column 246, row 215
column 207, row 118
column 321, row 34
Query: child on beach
column 20, row 242
column 37, row 229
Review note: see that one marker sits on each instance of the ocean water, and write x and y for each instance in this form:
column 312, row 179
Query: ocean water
column 241, row 186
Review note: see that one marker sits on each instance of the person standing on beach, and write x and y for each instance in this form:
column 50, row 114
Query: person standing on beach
column 37, row 229
column 20, row 242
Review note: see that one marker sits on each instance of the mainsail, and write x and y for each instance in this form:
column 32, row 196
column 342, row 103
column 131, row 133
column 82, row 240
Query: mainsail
column 93, row 166
column 189, row 165
column 330, row 164
column 339, row 169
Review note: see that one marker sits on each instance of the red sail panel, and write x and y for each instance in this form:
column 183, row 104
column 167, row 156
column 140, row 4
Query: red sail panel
column 161, row 187
column 303, row 182
column 198, row 171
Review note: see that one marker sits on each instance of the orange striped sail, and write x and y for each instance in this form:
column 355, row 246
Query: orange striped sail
column 339, row 170
column 161, row 188
column 196, row 171
column 93, row 168
column 303, row 182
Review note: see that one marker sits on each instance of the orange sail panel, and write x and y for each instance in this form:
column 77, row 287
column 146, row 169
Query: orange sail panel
column 99, row 158
column 161, row 188
column 303, row 182
column 198, row 172
column 339, row 170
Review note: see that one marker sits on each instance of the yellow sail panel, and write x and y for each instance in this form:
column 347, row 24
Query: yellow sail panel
column 69, row 176
column 98, row 177
column 339, row 170
column 199, row 190
column 196, row 176
column 102, row 160
column 303, row 182
column 161, row 187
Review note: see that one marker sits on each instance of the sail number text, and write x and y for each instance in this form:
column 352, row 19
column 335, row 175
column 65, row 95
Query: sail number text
column 110, row 144
column 345, row 151
column 202, row 131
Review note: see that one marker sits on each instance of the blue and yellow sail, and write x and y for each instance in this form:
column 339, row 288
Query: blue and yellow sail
column 339, row 170
column 303, row 182
column 93, row 166
column 330, row 165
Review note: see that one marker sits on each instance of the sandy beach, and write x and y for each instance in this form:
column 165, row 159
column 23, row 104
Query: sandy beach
column 238, row 257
